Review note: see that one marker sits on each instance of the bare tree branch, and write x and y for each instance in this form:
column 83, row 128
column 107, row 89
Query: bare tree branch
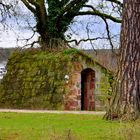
column 100, row 14
column 90, row 6
column 116, row 1
column 31, row 44
column 85, row 40
column 109, row 36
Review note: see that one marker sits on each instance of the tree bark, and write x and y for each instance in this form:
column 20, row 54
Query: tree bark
column 125, row 103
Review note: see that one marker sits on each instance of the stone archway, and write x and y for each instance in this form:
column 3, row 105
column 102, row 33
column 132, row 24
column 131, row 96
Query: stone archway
column 87, row 89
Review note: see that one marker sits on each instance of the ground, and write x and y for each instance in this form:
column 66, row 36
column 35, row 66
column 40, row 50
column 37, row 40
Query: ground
column 48, row 126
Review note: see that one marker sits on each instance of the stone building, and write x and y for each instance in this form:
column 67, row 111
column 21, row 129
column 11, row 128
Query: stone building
column 88, row 86
column 64, row 80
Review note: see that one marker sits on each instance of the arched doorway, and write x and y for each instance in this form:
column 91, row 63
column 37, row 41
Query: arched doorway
column 87, row 89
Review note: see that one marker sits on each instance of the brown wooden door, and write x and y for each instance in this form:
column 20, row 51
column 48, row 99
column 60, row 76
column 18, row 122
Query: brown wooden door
column 87, row 89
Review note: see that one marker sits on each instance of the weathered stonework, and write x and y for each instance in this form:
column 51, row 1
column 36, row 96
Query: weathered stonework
column 73, row 98
column 68, row 79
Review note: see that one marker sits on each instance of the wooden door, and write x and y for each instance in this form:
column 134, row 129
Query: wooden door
column 87, row 89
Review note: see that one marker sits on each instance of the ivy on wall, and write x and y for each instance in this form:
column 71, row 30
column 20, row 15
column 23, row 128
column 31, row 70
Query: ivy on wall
column 36, row 79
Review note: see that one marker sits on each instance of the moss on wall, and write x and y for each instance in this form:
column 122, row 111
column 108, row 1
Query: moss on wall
column 105, row 90
column 35, row 78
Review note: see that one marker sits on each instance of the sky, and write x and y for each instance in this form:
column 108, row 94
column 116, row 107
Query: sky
column 17, row 28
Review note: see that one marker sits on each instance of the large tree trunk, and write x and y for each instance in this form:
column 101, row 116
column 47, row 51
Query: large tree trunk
column 53, row 44
column 126, row 101
column 50, row 38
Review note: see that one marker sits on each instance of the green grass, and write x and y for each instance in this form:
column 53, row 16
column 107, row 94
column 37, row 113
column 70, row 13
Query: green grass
column 31, row 126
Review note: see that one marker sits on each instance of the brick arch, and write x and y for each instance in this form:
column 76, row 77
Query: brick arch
column 87, row 89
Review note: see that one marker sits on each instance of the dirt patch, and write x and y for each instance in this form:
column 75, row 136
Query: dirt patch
column 12, row 136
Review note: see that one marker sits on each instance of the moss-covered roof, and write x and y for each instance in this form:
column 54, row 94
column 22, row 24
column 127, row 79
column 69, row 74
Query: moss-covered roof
column 60, row 56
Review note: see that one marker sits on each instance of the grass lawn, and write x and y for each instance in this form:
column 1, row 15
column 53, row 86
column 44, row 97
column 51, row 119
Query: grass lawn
column 37, row 126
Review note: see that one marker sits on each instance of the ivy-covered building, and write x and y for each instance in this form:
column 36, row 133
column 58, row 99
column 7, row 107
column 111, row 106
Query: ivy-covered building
column 64, row 80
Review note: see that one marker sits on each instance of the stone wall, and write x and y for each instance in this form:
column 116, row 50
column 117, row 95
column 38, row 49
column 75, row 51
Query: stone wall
column 102, row 87
column 72, row 99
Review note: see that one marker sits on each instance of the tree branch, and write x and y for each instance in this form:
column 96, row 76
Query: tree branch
column 109, row 37
column 108, row 33
column 68, row 12
column 41, row 10
column 89, row 6
column 4, row 9
column 98, row 13
column 72, row 5
column 27, row 4
column 116, row 1
column 84, row 40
